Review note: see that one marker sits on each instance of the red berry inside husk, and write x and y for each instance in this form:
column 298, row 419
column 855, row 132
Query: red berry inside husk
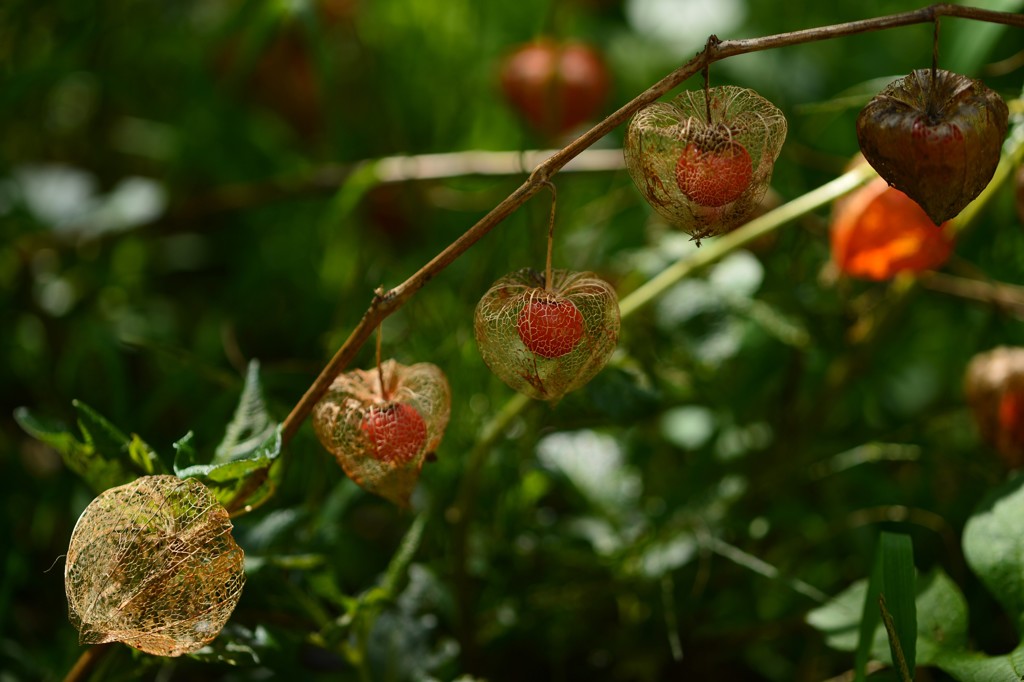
column 397, row 432
column 550, row 327
column 1011, row 418
column 714, row 177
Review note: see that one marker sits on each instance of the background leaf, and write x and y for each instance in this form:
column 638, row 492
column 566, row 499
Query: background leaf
column 104, row 457
column 994, row 546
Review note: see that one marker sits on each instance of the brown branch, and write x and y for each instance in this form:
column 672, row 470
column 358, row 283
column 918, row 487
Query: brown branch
column 1007, row 297
column 383, row 306
column 386, row 170
column 87, row 661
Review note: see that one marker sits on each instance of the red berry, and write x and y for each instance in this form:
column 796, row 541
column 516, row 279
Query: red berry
column 1011, row 418
column 714, row 177
column 397, row 432
column 555, row 86
column 550, row 327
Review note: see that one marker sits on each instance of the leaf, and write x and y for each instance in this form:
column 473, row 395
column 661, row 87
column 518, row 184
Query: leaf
column 869, row 617
column 838, row 619
column 236, row 645
column 105, row 457
column 897, row 599
column 974, row 667
column 941, row 618
column 892, row 580
column 941, row 621
column 251, row 425
column 994, row 546
column 249, row 448
column 230, row 480
column 144, row 457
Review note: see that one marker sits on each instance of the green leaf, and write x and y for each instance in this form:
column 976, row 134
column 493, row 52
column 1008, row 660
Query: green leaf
column 144, row 457
column 941, row 618
column 246, row 454
column 185, row 454
column 104, row 457
column 251, row 426
column 869, row 617
column 941, row 621
column 994, row 546
column 897, row 600
column 839, row 618
column 892, row 583
column 236, row 645
column 975, row 667
column 229, row 480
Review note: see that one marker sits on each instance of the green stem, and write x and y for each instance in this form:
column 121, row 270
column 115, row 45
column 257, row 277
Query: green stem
column 742, row 236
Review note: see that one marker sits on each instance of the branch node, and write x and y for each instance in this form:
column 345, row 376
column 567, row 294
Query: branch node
column 711, row 49
column 381, row 297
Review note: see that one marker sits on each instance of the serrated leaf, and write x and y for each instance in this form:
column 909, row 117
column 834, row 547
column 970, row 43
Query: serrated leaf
column 247, row 452
column 251, row 426
column 994, row 546
column 185, row 454
column 230, row 479
column 104, row 456
column 97, row 431
column 144, row 457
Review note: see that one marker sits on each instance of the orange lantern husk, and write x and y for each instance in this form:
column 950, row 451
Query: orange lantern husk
column 879, row 232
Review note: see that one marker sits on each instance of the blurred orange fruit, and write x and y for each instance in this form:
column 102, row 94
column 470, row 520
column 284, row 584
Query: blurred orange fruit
column 879, row 232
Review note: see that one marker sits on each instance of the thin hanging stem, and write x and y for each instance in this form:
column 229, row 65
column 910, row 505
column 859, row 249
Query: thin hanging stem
column 933, row 104
column 380, row 368
column 548, row 282
column 706, row 71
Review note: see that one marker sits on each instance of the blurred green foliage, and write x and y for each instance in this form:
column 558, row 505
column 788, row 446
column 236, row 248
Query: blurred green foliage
column 676, row 519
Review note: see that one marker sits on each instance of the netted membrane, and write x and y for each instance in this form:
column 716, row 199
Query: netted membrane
column 705, row 176
column 545, row 343
column 153, row 564
column 381, row 435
